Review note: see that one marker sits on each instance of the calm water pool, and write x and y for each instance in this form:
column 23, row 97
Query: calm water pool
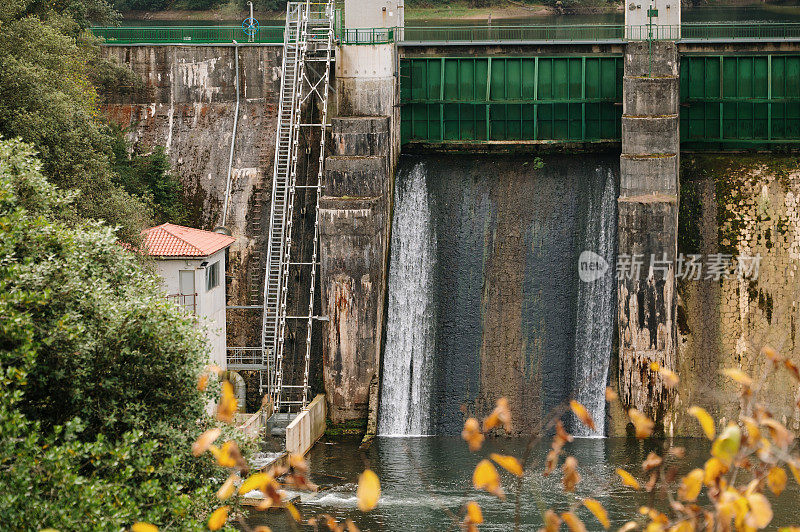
column 425, row 480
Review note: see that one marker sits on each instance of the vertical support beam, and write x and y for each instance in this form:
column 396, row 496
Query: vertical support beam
column 536, row 98
column 721, row 95
column 769, row 97
column 583, row 97
column 648, row 226
column 488, row 97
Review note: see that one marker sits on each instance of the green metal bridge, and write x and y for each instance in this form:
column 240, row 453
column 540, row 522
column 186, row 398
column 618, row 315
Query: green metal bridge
column 728, row 100
column 426, row 35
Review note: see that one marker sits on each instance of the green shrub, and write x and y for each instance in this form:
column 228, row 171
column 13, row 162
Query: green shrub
column 98, row 372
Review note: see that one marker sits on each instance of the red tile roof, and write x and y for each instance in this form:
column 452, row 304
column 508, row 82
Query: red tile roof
column 169, row 240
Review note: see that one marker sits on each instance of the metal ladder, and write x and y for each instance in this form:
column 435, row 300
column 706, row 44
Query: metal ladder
column 308, row 37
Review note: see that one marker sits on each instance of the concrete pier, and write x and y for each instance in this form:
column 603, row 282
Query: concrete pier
column 648, row 224
column 354, row 239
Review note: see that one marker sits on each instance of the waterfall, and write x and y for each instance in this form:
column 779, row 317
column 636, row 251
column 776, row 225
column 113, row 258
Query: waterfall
column 408, row 354
column 596, row 311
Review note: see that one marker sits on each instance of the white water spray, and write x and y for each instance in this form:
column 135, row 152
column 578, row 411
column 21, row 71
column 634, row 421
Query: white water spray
column 408, row 355
column 596, row 311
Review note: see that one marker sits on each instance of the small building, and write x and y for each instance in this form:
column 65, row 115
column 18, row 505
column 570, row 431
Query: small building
column 191, row 263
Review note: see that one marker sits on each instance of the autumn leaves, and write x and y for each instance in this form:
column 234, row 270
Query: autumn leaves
column 747, row 458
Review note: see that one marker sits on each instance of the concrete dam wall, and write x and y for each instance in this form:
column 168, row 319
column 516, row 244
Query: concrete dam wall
column 187, row 104
column 500, row 309
column 484, row 295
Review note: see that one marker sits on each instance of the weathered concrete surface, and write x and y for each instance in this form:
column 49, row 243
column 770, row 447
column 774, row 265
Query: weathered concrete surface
column 354, row 238
column 738, row 205
column 307, row 427
column 187, row 104
column 647, row 228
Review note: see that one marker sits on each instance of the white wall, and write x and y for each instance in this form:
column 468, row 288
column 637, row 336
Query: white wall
column 210, row 305
column 371, row 13
column 669, row 13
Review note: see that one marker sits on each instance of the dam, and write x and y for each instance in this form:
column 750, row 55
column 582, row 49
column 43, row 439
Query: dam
column 447, row 182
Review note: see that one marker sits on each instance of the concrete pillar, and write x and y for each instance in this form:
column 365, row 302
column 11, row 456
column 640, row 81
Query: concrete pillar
column 648, row 224
column 354, row 240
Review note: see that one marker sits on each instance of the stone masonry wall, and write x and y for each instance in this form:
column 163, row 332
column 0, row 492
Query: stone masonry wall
column 739, row 205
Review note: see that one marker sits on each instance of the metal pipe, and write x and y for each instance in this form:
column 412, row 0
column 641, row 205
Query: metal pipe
column 233, row 137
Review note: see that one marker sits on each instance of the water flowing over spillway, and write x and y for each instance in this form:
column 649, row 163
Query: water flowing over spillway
column 409, row 350
column 595, row 319
column 485, row 299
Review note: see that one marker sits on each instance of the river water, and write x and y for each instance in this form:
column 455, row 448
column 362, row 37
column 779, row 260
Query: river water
column 425, row 481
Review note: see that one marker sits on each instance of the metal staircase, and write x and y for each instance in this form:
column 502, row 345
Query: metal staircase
column 308, row 40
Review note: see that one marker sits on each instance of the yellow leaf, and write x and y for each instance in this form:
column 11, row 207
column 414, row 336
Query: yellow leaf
column 204, row 441
column 599, row 512
column 771, row 354
column 369, row 490
column 262, row 528
column 643, row 424
column 611, row 395
column 509, row 463
column 202, row 382
column 753, row 431
column 794, row 467
column 760, row 513
column 474, row 514
column 472, row 434
column 573, row 523
column 652, row 461
column 294, row 512
column 552, row 522
column 670, row 378
column 571, row 476
column 776, row 480
column 706, row 421
column 351, row 526
column 226, row 490
column 227, row 403
column 136, row 527
column 256, row 481
column 628, row 479
column 779, row 434
column 726, row 446
column 691, row 485
column 485, row 477
column 739, row 376
column 627, row 527
column 714, row 468
column 218, row 518
column 581, row 413
column 223, row 456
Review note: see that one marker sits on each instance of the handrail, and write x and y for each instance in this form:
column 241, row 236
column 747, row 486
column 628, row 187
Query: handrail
column 186, row 34
column 457, row 34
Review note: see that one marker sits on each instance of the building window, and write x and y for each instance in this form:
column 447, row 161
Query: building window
column 212, row 276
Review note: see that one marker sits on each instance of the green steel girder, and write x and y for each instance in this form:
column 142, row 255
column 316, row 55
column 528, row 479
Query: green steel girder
column 740, row 99
column 554, row 99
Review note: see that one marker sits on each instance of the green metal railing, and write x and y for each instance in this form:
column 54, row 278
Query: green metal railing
column 458, row 34
column 581, row 32
column 733, row 31
column 186, row 35
column 368, row 36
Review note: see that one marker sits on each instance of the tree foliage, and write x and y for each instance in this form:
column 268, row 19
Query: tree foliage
column 98, row 396
column 50, row 68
